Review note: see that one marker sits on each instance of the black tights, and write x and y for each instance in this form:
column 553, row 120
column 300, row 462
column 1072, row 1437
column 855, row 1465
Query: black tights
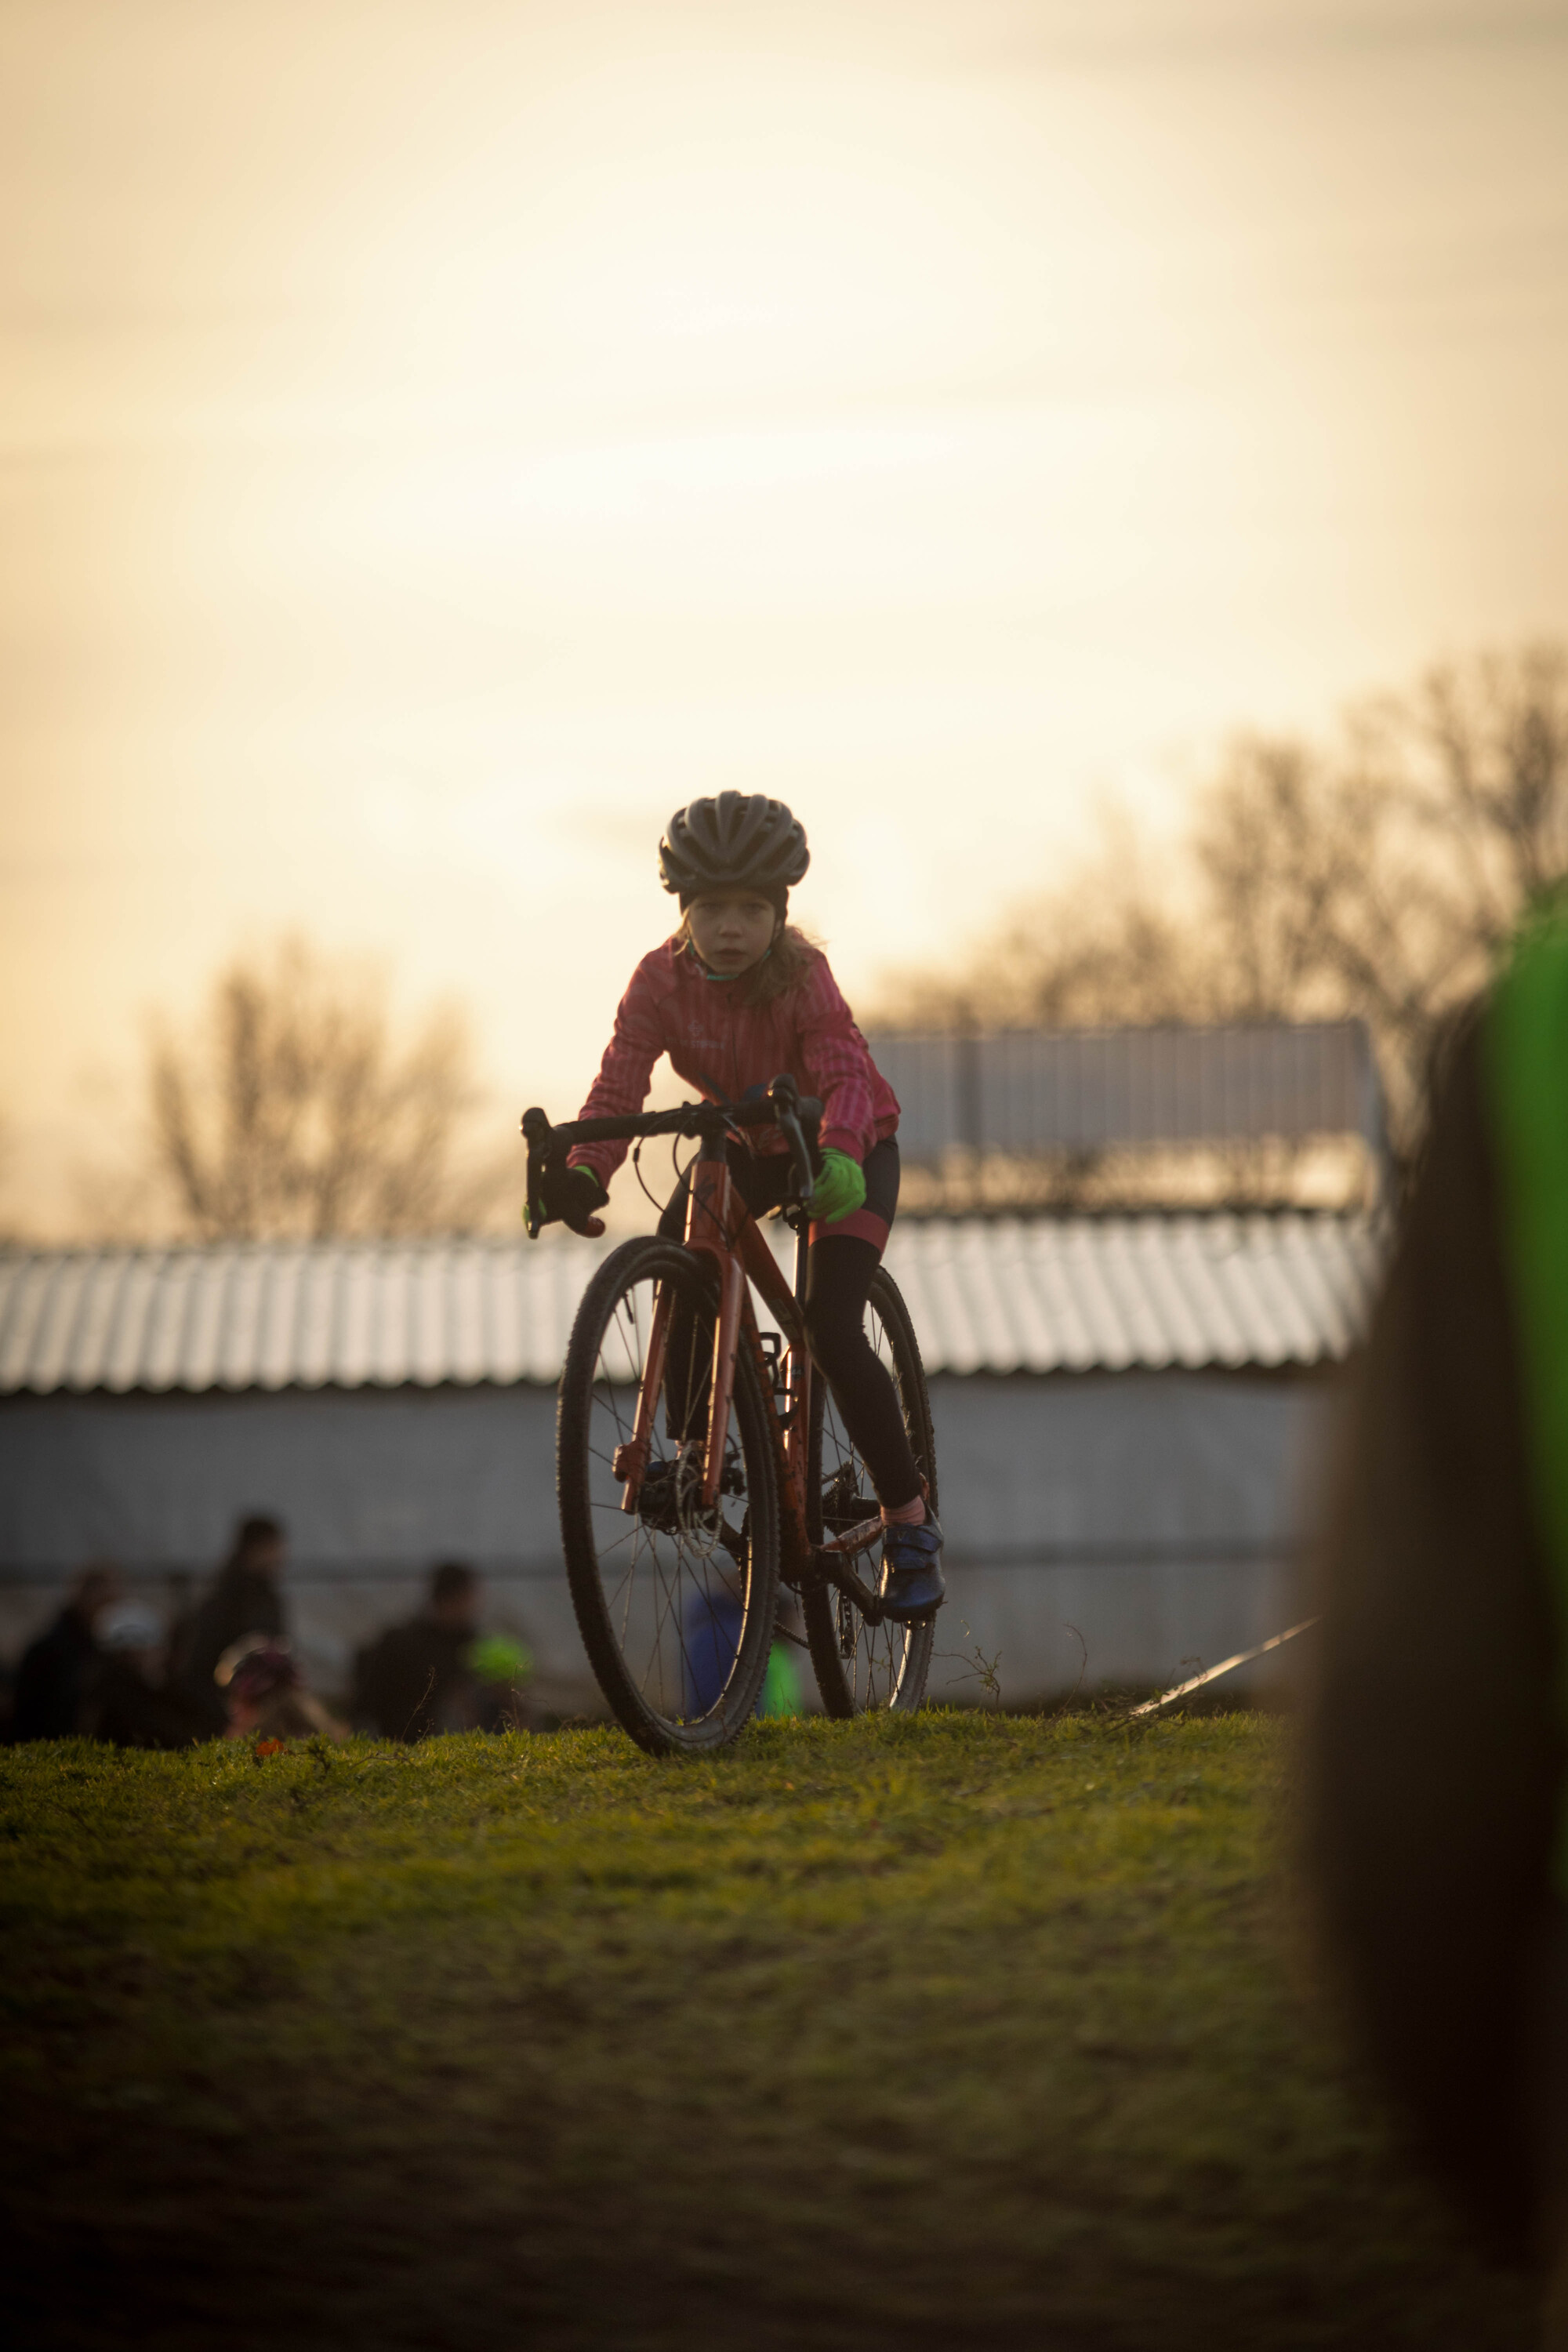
column 838, row 1270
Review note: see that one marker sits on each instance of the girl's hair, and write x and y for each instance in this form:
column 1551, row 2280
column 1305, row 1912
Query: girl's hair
column 785, row 966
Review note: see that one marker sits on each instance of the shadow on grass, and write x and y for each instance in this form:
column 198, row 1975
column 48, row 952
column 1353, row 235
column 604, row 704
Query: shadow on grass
column 966, row 2029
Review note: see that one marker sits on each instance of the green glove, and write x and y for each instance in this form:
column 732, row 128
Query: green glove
column 572, row 1195
column 840, row 1188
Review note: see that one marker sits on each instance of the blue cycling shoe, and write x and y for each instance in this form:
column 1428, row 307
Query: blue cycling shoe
column 912, row 1583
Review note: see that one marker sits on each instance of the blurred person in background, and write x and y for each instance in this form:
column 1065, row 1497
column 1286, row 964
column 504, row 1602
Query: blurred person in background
column 710, row 1638
column 244, row 1600
column 56, row 1678
column 434, row 1673
column 133, row 1703
column 1435, row 1750
column 264, row 1693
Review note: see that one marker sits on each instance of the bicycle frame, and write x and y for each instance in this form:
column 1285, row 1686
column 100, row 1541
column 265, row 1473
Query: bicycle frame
column 721, row 1228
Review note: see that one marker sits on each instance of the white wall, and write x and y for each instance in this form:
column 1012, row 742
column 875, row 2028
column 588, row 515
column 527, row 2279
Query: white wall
column 1157, row 1513
column 1152, row 1511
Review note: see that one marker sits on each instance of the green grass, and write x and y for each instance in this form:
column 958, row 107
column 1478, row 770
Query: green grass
column 965, row 2030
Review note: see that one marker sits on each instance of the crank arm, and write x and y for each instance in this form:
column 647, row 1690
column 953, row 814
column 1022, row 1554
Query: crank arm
column 835, row 1568
column 853, row 1540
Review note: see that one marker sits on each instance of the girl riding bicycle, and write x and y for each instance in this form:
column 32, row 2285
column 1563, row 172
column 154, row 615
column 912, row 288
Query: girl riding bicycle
column 736, row 996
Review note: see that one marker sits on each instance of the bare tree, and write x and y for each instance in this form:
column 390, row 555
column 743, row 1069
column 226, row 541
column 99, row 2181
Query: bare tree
column 1107, row 948
column 1488, row 761
column 1378, row 876
column 291, row 1111
column 1383, row 879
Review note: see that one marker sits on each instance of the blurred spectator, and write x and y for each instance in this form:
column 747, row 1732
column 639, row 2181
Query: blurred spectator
column 132, row 1704
column 266, row 1696
column 434, row 1674
column 710, row 1633
column 1436, row 1748
column 711, row 1640
column 55, row 1682
column 244, row 1601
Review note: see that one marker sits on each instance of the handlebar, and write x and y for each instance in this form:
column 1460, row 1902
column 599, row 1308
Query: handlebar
column 797, row 1117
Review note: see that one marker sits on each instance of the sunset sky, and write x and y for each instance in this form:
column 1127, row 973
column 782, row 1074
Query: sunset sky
column 438, row 439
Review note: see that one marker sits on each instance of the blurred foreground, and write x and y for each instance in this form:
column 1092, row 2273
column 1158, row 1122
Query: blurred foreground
column 939, row 2032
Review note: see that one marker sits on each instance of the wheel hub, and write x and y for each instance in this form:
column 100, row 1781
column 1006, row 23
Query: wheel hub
column 670, row 1500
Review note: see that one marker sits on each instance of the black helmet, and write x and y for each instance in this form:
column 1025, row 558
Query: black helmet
column 742, row 841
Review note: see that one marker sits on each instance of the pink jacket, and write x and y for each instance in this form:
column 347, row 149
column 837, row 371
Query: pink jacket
column 722, row 1047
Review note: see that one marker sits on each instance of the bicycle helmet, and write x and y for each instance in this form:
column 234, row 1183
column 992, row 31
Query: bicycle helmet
column 741, row 841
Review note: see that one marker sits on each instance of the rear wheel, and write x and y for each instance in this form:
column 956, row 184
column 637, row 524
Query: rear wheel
column 675, row 1603
column 860, row 1666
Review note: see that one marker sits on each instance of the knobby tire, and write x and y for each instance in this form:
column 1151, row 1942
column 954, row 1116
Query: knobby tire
column 890, row 1663
column 605, row 1550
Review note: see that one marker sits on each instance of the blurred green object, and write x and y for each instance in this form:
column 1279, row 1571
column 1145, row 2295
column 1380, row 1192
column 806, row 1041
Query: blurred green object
column 495, row 1659
column 1527, row 1042
column 781, row 1688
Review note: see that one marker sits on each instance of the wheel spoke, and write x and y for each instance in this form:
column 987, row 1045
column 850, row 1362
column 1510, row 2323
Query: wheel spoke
column 664, row 1583
column 864, row 1666
column 677, row 1617
column 660, row 1620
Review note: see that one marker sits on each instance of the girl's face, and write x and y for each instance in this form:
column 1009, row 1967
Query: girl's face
column 733, row 932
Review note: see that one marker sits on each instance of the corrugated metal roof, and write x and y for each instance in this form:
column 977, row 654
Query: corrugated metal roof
column 1013, row 1295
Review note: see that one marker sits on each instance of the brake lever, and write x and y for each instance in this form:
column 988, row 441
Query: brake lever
column 784, row 1097
column 800, row 1158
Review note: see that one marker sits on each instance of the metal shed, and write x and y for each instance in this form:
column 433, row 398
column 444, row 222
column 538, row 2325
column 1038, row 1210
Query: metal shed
column 1126, row 1411
column 1033, row 1090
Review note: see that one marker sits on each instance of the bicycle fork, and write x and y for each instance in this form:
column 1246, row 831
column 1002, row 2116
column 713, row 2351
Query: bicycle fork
column 709, row 1225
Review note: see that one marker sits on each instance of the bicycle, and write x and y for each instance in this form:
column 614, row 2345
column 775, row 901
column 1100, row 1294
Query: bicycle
column 700, row 1461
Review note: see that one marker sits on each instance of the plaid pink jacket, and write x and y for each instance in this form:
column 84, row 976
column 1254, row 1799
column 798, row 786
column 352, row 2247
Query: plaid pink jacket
column 722, row 1048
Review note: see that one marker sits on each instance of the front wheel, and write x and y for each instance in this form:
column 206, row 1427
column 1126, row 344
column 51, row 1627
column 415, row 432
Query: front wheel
column 860, row 1666
column 676, row 1604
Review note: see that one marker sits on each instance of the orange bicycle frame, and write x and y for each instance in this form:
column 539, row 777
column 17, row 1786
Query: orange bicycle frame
column 721, row 1228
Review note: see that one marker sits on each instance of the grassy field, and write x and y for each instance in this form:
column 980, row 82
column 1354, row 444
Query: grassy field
column 965, row 2030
